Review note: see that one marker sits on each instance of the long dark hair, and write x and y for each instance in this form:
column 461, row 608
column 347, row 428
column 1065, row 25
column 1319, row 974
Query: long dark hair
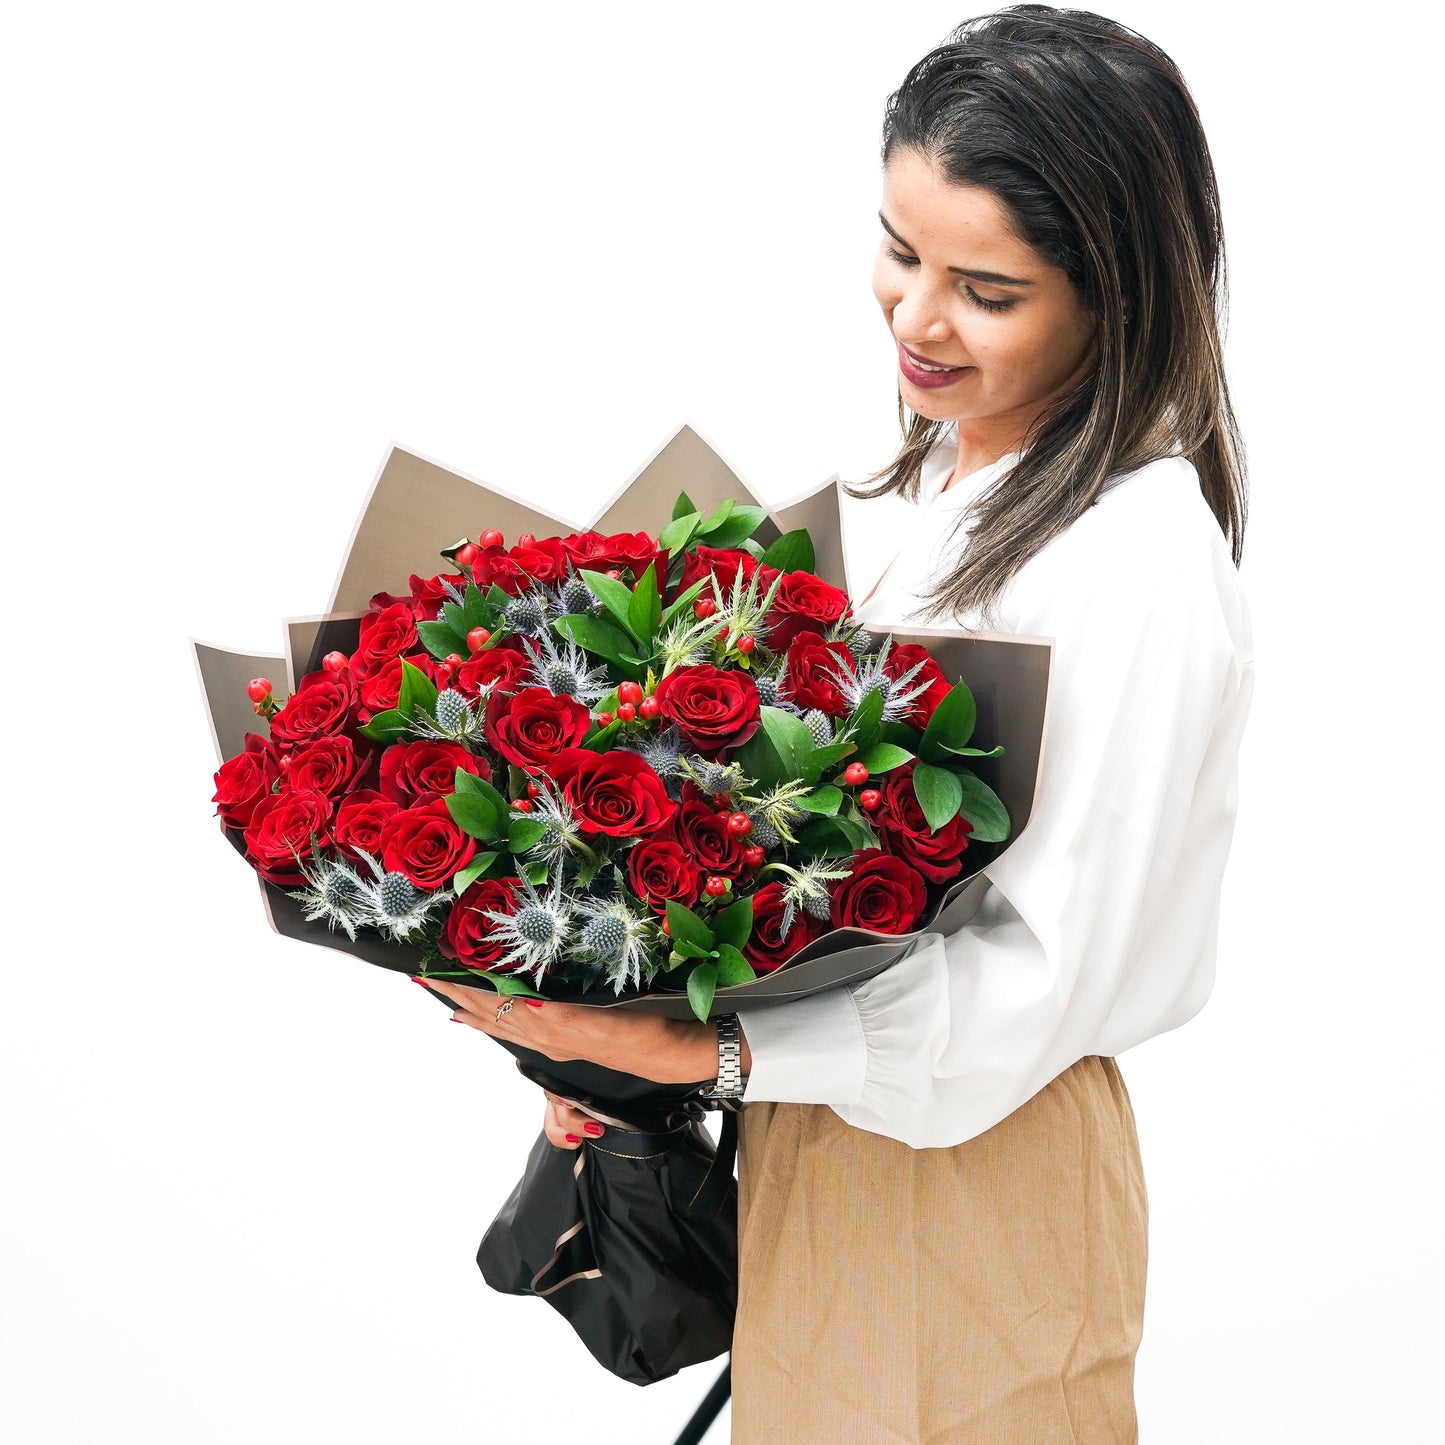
column 1086, row 133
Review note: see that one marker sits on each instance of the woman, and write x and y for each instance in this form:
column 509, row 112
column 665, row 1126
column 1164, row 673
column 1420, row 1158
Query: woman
column 943, row 1215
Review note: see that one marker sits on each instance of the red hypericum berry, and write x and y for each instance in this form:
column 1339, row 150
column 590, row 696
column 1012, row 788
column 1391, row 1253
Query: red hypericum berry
column 739, row 824
column 704, row 607
column 258, row 709
column 722, row 634
column 870, row 799
column 534, row 790
column 335, row 661
column 522, row 805
column 453, row 659
column 478, row 638
column 648, row 708
column 626, row 712
column 526, row 539
column 746, row 643
column 715, row 887
column 629, row 692
column 491, row 538
column 666, row 931
column 604, row 719
column 466, row 554
column 854, row 774
column 755, row 856
column 614, row 573
column 258, row 689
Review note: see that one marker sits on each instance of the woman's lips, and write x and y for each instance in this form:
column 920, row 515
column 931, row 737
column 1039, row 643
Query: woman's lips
column 928, row 379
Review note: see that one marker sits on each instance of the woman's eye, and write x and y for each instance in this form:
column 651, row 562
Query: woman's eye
column 982, row 302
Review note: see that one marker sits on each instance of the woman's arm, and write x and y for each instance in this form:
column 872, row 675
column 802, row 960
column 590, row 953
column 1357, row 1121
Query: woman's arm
column 1098, row 928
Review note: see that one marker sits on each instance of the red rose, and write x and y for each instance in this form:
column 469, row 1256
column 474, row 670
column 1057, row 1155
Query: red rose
column 429, row 594
column 768, row 947
column 613, row 793
column 278, row 837
column 804, row 603
column 382, row 688
column 325, row 765
column 502, row 667
column 810, row 676
column 468, row 934
column 360, row 817
column 530, row 727
column 409, row 771
column 722, row 563
column 517, row 568
column 882, row 894
column 659, row 869
column 424, row 843
column 704, row 834
column 242, row 781
column 904, row 830
column 323, row 705
column 624, row 551
column 713, row 709
column 384, row 635
column 905, row 655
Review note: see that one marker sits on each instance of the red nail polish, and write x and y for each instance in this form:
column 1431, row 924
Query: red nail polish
column 573, row 1139
column 593, row 1129
column 533, row 1002
column 421, row 981
column 458, row 1021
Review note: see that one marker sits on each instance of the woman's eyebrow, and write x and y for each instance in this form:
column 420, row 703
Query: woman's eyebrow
column 993, row 278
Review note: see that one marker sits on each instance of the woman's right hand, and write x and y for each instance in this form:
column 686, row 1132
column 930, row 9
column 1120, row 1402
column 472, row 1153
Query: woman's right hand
column 565, row 1125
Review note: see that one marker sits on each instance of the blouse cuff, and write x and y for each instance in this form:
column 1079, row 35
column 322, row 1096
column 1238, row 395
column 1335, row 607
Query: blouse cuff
column 829, row 1070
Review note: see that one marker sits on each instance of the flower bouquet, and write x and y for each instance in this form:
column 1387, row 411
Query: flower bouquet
column 651, row 764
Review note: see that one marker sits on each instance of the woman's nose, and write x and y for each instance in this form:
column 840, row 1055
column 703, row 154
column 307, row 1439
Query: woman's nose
column 919, row 315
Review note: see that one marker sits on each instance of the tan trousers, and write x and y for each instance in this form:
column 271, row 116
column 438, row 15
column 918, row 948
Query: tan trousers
column 986, row 1294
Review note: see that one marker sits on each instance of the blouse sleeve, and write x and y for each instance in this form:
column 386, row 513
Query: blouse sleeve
column 1098, row 925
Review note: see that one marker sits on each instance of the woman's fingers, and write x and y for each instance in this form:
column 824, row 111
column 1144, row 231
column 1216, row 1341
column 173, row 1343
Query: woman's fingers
column 566, row 1127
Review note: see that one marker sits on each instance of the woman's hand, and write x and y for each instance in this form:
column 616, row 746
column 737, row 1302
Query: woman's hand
column 564, row 1124
column 667, row 1051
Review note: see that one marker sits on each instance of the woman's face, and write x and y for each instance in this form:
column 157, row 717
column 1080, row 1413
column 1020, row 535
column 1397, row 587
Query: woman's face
column 959, row 289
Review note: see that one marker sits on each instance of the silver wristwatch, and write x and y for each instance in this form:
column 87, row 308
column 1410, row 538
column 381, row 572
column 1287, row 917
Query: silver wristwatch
column 730, row 1079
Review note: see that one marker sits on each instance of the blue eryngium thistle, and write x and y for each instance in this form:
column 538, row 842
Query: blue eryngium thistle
column 527, row 612
column 389, row 902
column 615, row 938
column 572, row 596
column 458, row 719
column 562, row 669
column 868, row 674
column 807, row 888
column 561, row 836
column 537, row 931
column 662, row 752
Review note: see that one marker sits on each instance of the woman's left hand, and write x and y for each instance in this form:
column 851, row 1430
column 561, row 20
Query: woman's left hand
column 667, row 1051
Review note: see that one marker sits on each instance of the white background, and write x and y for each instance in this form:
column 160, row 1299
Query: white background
column 249, row 247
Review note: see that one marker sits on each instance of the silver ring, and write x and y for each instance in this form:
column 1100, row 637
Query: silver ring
column 503, row 1010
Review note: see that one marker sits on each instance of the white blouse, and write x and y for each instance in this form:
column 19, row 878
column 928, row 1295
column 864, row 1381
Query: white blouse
column 1098, row 926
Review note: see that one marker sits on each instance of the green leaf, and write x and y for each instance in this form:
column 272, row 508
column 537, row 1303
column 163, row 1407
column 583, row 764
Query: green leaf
column 598, row 635
column 822, row 838
column 789, row 736
column 645, row 607
column 701, row 986
column 534, row 872
column 440, row 639
column 611, row 593
column 792, row 552
column 983, row 808
column 510, row 985
column 732, row 926
column 866, row 719
column 732, row 967
column 720, row 514
column 475, row 610
column 683, row 949
column 475, row 816
column 994, row 752
column 682, row 506
column 883, row 756
column 418, row 692
column 821, row 759
column 601, row 740
column 826, row 801
column 857, row 832
column 951, row 725
column 682, row 600
column 684, row 926
column 679, row 532
column 742, row 522
column 939, row 793
column 473, row 871
column 497, row 599
column 900, row 734
column 525, row 833
column 759, row 760
column 471, row 784
column 458, row 622
column 386, row 727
